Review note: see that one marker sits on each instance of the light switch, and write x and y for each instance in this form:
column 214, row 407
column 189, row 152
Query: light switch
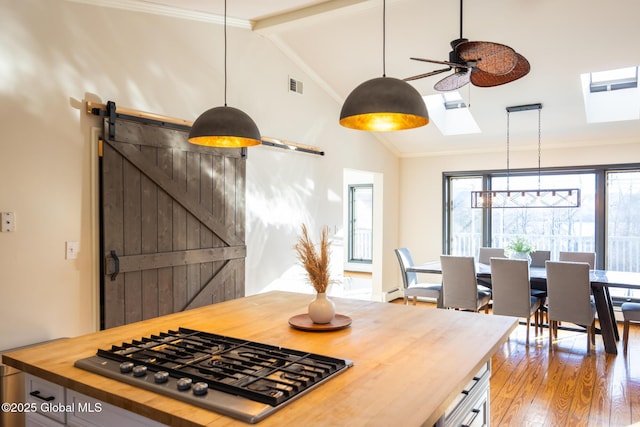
column 72, row 250
column 8, row 221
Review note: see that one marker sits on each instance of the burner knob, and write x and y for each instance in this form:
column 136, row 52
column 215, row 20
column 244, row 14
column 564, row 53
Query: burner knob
column 184, row 384
column 139, row 371
column 126, row 367
column 161, row 377
column 200, row 388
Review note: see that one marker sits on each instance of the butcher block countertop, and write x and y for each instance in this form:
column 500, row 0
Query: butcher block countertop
column 410, row 362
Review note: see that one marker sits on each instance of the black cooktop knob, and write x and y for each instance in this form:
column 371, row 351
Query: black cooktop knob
column 126, row 367
column 184, row 384
column 161, row 377
column 200, row 388
column 139, row 371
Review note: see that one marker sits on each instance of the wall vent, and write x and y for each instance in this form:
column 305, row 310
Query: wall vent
column 295, row 85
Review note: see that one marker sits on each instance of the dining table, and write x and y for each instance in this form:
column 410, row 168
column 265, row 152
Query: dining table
column 601, row 281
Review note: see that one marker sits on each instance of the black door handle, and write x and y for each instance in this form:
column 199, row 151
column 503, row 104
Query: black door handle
column 116, row 262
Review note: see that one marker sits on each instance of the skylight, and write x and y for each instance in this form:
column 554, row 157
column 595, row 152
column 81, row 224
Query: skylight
column 450, row 114
column 612, row 95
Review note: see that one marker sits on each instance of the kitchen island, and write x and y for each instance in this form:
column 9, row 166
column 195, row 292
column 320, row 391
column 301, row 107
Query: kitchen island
column 410, row 363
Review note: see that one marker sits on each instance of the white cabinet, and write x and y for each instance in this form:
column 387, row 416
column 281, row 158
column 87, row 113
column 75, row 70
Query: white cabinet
column 471, row 408
column 52, row 405
column 34, row 419
column 46, row 398
column 90, row 412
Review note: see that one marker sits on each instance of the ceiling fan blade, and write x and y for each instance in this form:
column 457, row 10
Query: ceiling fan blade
column 494, row 58
column 449, row 63
column 482, row 79
column 453, row 82
column 429, row 74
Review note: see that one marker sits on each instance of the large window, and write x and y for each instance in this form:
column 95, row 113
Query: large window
column 553, row 229
column 607, row 221
column 361, row 223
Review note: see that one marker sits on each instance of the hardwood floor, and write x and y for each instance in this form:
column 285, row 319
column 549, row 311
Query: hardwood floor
column 569, row 387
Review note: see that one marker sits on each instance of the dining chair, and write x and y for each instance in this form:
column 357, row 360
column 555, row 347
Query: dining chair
column 460, row 289
column 630, row 313
column 511, row 291
column 539, row 290
column 412, row 287
column 538, row 258
column 588, row 257
column 485, row 254
column 569, row 290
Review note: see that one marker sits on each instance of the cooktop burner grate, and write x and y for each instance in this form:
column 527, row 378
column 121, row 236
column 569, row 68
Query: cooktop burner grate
column 196, row 367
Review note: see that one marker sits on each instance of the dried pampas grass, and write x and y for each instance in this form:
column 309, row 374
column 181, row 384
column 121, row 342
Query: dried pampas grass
column 316, row 264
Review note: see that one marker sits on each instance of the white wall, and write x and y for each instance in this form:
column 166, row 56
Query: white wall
column 54, row 55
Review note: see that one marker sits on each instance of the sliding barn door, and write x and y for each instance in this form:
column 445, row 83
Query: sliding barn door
column 172, row 223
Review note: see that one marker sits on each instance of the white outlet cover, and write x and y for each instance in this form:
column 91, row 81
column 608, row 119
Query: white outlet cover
column 8, row 221
column 72, row 249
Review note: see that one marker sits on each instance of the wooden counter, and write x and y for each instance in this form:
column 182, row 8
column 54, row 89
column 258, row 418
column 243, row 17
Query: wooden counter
column 410, row 362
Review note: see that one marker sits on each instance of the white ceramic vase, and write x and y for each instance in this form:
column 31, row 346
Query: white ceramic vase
column 521, row 255
column 322, row 309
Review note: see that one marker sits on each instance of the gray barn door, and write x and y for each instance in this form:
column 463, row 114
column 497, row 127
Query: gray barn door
column 172, row 223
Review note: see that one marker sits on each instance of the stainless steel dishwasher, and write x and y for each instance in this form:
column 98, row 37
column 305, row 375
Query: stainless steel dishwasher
column 11, row 391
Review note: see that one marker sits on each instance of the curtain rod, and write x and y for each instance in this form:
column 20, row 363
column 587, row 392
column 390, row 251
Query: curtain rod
column 95, row 108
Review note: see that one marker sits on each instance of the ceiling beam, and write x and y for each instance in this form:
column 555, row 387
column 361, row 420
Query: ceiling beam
column 277, row 22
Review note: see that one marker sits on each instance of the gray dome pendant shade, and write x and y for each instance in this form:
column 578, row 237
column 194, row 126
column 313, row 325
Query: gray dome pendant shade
column 225, row 127
column 384, row 104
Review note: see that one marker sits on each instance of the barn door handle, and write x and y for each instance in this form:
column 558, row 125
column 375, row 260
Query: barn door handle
column 116, row 262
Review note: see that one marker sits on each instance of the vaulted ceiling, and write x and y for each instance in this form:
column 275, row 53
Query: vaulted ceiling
column 339, row 43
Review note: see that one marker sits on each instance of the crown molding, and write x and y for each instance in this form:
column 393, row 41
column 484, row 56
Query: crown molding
column 174, row 12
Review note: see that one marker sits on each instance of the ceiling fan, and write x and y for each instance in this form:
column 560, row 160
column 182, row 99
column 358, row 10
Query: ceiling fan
column 484, row 64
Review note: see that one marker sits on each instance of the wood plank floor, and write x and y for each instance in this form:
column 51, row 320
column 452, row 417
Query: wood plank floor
column 569, row 387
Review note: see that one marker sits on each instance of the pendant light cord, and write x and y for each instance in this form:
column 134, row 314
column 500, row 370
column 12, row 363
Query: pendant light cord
column 508, row 113
column 384, row 38
column 460, row 18
column 539, row 146
column 225, row 53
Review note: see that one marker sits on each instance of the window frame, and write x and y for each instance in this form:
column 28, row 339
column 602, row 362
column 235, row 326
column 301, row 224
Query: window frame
column 599, row 171
column 351, row 188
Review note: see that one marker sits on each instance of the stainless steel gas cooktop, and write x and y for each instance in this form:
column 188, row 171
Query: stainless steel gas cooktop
column 242, row 379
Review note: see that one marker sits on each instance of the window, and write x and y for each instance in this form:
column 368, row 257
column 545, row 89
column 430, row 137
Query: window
column 623, row 225
column 465, row 226
column 450, row 114
column 553, row 229
column 360, row 223
column 607, row 221
column 612, row 95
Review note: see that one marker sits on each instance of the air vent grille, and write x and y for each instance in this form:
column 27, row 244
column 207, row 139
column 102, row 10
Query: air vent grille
column 295, row 85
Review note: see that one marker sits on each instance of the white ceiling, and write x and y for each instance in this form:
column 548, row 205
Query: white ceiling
column 339, row 42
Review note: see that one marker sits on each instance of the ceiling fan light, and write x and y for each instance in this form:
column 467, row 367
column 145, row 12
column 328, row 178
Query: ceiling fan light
column 225, row 127
column 384, row 104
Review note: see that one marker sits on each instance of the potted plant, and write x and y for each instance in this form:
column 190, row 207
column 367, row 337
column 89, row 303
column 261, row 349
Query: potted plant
column 520, row 248
column 316, row 263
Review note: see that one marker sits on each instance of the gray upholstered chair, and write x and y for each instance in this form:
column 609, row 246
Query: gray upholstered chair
column 511, row 290
column 538, row 258
column 459, row 286
column 412, row 287
column 588, row 257
column 569, row 290
column 485, row 254
column 630, row 313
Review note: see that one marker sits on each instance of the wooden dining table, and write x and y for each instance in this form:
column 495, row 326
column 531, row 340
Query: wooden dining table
column 601, row 281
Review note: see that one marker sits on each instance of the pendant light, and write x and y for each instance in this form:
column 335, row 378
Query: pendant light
column 533, row 198
column 225, row 126
column 384, row 103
